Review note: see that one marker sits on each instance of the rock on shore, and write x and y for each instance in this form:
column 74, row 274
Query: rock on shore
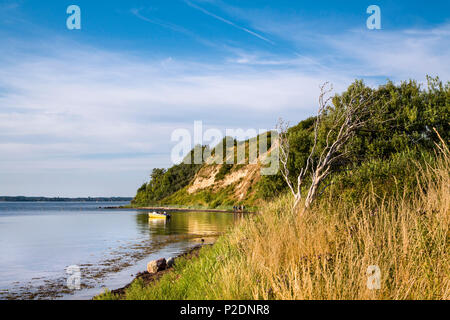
column 156, row 265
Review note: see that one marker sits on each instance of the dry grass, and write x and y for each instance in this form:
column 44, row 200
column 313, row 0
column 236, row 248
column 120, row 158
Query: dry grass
column 325, row 254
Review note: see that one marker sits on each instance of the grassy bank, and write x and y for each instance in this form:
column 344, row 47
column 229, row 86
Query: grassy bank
column 325, row 253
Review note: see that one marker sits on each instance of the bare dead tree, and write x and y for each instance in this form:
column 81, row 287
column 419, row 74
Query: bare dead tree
column 353, row 115
column 284, row 147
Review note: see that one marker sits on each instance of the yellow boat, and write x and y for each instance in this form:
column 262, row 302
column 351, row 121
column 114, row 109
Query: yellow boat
column 157, row 215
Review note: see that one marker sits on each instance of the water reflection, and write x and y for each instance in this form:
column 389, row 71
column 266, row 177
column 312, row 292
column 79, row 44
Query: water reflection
column 185, row 223
column 39, row 240
column 155, row 223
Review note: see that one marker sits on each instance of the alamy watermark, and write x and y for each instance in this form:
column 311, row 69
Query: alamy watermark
column 74, row 279
column 237, row 146
column 373, row 277
column 74, row 20
column 374, row 21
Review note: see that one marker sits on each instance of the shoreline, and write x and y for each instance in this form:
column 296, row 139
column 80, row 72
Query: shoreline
column 182, row 209
column 176, row 209
column 149, row 278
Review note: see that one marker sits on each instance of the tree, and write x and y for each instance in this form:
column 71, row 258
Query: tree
column 353, row 113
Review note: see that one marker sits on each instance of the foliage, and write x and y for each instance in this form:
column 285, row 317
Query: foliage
column 401, row 121
column 223, row 171
column 276, row 255
column 387, row 205
column 164, row 183
column 399, row 128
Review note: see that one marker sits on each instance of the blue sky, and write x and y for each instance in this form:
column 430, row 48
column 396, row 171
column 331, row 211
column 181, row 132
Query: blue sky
column 90, row 112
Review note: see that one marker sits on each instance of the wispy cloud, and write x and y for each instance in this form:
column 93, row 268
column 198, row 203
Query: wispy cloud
column 174, row 27
column 396, row 54
column 167, row 25
column 400, row 54
column 257, row 35
column 62, row 108
column 79, row 113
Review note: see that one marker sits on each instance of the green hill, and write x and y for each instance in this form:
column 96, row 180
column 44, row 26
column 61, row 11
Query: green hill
column 383, row 213
column 399, row 131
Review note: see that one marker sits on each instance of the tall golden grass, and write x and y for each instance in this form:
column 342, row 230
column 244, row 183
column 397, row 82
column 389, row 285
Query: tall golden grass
column 325, row 254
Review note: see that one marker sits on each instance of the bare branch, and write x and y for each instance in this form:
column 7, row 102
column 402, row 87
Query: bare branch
column 352, row 115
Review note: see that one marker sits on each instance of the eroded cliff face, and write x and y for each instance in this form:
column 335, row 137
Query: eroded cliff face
column 241, row 178
column 237, row 183
column 212, row 184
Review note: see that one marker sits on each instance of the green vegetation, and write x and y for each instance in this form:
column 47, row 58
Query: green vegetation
column 169, row 187
column 399, row 130
column 223, row 171
column 325, row 253
column 164, row 183
column 387, row 204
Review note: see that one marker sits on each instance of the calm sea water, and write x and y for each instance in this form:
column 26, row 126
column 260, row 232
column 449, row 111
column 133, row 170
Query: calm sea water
column 39, row 240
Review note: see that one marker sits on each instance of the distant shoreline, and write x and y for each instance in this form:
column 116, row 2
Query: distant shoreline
column 181, row 209
column 167, row 209
column 177, row 209
column 62, row 199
